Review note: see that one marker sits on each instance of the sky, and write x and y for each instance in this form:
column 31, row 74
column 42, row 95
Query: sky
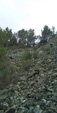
column 26, row 14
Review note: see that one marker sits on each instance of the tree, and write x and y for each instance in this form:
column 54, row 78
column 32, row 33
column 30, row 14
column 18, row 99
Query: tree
column 8, row 35
column 46, row 33
column 31, row 37
column 26, row 38
column 53, row 31
column 22, row 34
column 12, row 41
column 2, row 37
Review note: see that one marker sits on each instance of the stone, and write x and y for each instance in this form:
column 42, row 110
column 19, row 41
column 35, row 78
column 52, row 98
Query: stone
column 1, row 111
column 11, row 56
column 12, row 110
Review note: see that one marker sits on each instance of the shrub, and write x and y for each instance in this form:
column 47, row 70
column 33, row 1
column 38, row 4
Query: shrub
column 42, row 54
column 48, row 52
column 5, row 77
column 3, row 52
column 35, row 54
column 26, row 55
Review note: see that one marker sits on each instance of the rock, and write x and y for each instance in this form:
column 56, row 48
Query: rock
column 50, row 90
column 51, row 44
column 1, row 111
column 48, row 103
column 11, row 56
column 44, row 100
column 36, row 72
column 5, row 104
column 3, row 97
column 42, row 75
column 12, row 110
column 40, row 52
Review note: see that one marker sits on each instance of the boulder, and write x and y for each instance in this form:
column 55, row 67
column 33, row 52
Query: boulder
column 11, row 56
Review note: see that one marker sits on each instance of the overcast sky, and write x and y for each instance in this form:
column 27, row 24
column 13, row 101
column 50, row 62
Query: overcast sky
column 19, row 14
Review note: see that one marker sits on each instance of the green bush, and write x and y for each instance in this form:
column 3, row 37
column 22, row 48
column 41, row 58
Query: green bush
column 42, row 54
column 3, row 52
column 26, row 55
column 7, row 75
column 35, row 54
column 48, row 52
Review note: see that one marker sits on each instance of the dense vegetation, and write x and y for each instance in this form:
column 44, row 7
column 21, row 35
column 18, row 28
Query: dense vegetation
column 24, row 38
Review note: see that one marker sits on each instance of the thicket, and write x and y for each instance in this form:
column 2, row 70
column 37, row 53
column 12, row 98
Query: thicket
column 3, row 52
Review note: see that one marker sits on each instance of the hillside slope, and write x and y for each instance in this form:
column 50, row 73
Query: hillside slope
column 33, row 89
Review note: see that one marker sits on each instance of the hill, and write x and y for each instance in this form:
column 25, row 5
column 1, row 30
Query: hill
column 28, row 83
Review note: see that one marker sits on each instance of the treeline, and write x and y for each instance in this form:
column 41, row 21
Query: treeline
column 24, row 38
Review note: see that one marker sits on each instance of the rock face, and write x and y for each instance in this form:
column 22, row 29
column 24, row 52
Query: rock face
column 36, row 89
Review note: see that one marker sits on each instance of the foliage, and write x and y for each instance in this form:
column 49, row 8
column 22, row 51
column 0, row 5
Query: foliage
column 31, row 37
column 22, row 34
column 35, row 54
column 12, row 41
column 41, row 54
column 7, row 38
column 48, row 52
column 26, row 55
column 3, row 52
column 8, row 33
column 26, row 38
column 6, row 74
column 42, row 41
column 53, row 30
column 46, row 32
column 26, row 60
column 2, row 37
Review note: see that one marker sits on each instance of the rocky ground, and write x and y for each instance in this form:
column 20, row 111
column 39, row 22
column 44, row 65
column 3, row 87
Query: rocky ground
column 36, row 88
